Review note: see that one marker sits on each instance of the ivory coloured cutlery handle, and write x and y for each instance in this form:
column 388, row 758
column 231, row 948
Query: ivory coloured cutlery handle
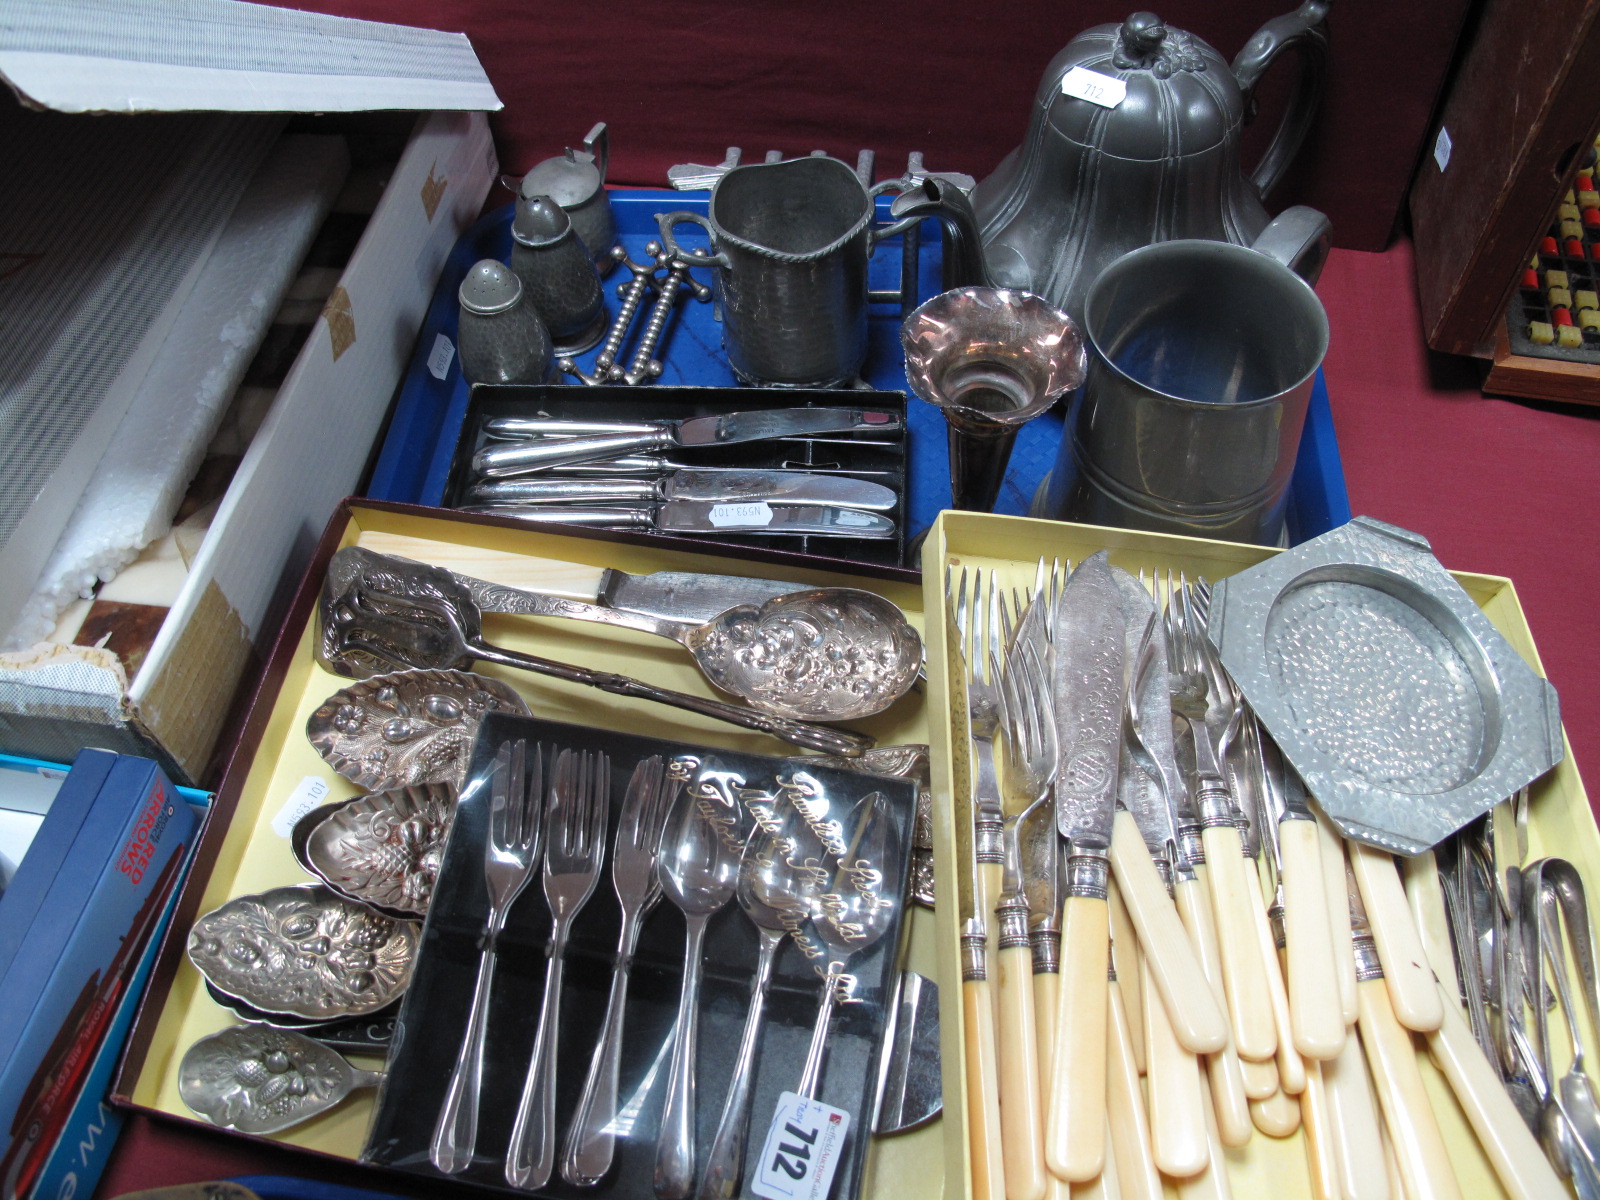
column 1291, row 1067
column 1353, row 1117
column 1524, row 1171
column 1314, row 1011
column 1075, row 1144
column 1337, row 907
column 1196, row 1020
column 1419, row 1148
column 1229, row 1101
column 983, row 1091
column 1413, row 993
column 1244, row 977
column 1425, row 896
column 1174, row 1093
column 1277, row 1116
column 1125, row 959
column 1128, row 1126
column 1021, row 1123
column 1322, row 1152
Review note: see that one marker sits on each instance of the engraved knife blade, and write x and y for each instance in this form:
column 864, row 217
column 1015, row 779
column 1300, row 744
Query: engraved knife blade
column 1089, row 690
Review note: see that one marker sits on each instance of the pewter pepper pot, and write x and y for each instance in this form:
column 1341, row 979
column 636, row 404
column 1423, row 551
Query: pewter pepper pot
column 576, row 180
column 501, row 338
column 558, row 277
column 1094, row 180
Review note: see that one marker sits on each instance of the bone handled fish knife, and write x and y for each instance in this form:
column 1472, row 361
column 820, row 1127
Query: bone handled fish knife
column 1090, row 691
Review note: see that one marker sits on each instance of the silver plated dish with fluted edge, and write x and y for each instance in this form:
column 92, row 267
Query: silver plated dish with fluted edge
column 382, row 849
column 256, row 1079
column 407, row 727
column 304, row 951
column 1391, row 694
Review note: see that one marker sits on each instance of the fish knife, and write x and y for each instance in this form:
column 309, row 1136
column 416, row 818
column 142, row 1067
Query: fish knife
column 1090, row 690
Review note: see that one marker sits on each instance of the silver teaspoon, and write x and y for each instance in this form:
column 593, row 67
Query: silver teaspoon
column 258, row 1079
column 776, row 898
column 699, row 869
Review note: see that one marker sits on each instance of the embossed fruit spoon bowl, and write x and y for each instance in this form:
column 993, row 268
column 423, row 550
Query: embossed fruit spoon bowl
column 823, row 654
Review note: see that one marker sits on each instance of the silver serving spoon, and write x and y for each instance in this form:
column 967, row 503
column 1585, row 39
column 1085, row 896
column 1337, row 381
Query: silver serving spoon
column 823, row 654
column 1576, row 1092
column 379, row 620
column 776, row 899
column 257, row 1079
column 699, row 869
column 852, row 913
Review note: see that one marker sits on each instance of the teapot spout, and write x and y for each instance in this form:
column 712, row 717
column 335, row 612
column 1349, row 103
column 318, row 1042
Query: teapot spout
column 963, row 262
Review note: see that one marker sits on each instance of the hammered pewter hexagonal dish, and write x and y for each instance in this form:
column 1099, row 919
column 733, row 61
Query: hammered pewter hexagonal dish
column 1404, row 710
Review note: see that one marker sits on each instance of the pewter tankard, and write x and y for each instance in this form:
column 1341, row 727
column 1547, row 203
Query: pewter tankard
column 1202, row 355
column 790, row 242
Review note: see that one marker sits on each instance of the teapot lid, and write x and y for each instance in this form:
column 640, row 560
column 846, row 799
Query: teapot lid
column 569, row 179
column 1182, row 97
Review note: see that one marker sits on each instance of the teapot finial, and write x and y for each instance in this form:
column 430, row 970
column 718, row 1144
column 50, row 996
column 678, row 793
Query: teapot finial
column 1144, row 42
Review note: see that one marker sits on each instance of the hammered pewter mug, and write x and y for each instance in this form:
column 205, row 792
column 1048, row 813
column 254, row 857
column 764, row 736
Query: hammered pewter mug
column 790, row 242
column 1202, row 356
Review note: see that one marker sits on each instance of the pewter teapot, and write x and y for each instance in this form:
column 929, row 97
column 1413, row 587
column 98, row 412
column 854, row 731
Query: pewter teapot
column 1153, row 157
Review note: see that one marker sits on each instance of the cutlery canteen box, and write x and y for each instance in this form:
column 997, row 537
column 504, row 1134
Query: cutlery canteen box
column 275, row 775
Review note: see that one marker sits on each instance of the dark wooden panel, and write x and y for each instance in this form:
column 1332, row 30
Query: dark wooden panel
column 1521, row 110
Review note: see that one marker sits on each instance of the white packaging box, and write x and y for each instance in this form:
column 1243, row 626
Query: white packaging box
column 316, row 441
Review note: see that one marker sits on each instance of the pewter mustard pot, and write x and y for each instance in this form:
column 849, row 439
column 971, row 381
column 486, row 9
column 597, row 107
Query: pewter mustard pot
column 1094, row 180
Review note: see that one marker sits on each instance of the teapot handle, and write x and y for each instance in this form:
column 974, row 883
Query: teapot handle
column 1304, row 30
column 1299, row 238
column 695, row 258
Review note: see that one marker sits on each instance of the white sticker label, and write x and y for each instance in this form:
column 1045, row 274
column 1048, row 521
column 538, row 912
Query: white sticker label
column 802, row 1150
column 853, row 516
column 1441, row 148
column 1094, row 87
column 755, row 512
column 440, row 357
column 309, row 793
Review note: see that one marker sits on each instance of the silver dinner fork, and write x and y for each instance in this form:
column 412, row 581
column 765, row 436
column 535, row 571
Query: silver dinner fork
column 979, row 622
column 576, row 820
column 591, row 1141
column 509, row 854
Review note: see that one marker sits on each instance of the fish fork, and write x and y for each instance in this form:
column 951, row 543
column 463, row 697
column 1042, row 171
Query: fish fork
column 1027, row 741
column 979, row 621
column 1244, row 973
column 591, row 1141
column 576, row 819
column 510, row 852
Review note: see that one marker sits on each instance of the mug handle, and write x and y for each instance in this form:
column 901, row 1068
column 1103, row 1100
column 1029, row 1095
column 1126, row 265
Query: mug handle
column 1299, row 238
column 695, row 258
column 878, row 233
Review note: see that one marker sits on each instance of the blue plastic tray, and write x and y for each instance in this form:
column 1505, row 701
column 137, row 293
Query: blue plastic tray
column 415, row 460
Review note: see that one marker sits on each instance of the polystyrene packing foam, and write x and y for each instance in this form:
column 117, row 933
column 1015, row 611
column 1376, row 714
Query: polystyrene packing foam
column 161, row 441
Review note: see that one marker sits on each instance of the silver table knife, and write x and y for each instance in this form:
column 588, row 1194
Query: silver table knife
column 781, row 487
column 703, row 516
column 728, row 429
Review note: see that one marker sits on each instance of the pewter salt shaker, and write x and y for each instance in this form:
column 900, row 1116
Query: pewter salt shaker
column 576, row 181
column 502, row 338
column 558, row 277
